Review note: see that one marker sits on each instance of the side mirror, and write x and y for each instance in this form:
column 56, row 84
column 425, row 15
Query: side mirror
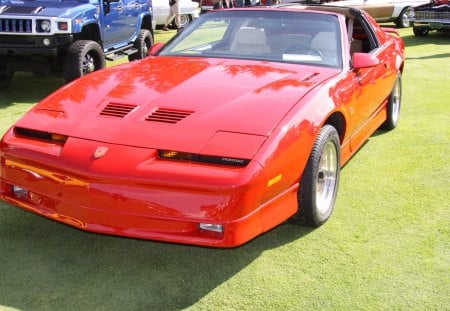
column 156, row 48
column 364, row 60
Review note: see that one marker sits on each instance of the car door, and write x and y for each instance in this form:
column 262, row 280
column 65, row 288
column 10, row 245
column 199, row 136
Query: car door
column 372, row 85
column 379, row 9
column 119, row 21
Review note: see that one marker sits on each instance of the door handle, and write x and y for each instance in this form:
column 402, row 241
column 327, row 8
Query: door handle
column 120, row 8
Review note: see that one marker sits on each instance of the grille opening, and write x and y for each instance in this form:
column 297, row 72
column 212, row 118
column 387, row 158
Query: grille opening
column 168, row 115
column 15, row 25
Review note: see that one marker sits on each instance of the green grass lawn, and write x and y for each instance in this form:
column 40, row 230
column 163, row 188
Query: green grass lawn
column 386, row 247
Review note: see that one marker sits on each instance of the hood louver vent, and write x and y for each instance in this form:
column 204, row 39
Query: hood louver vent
column 22, row 9
column 310, row 77
column 38, row 10
column 117, row 110
column 168, row 115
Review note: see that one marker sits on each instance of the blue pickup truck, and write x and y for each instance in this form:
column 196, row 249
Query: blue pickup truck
column 71, row 37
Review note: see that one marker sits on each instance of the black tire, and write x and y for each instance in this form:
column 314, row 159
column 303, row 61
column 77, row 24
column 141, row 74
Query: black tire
column 82, row 58
column 403, row 19
column 421, row 31
column 143, row 44
column 185, row 19
column 394, row 105
column 320, row 180
column 5, row 80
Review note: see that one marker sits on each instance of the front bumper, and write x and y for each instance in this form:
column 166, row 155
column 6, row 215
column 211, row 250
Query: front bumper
column 433, row 19
column 19, row 45
column 433, row 24
column 142, row 197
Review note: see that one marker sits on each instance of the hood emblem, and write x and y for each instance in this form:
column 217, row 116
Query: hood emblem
column 100, row 152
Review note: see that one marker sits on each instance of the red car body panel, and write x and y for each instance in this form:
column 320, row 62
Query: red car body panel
column 108, row 176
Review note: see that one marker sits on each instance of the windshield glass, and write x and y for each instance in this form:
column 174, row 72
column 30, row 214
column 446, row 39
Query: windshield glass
column 273, row 35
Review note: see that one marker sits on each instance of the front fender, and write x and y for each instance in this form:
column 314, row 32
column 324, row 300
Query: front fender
column 84, row 18
column 145, row 21
column 285, row 153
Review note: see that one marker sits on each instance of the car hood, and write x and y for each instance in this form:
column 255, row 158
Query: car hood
column 63, row 9
column 175, row 103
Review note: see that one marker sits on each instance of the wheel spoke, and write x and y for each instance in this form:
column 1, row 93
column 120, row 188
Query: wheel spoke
column 88, row 64
column 396, row 102
column 326, row 177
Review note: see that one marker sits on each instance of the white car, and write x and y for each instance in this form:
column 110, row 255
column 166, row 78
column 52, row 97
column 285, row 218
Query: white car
column 397, row 11
column 189, row 10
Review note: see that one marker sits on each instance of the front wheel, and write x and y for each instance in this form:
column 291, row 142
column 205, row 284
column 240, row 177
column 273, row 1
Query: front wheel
column 320, row 180
column 403, row 19
column 143, row 44
column 82, row 58
column 393, row 105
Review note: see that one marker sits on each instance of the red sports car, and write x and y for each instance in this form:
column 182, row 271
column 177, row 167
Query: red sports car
column 239, row 123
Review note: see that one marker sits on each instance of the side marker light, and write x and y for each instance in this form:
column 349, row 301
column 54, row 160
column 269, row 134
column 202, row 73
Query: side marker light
column 274, row 180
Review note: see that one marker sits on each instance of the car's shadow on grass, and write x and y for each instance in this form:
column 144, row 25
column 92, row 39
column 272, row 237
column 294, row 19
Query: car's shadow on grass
column 435, row 38
column 27, row 88
column 434, row 56
column 47, row 265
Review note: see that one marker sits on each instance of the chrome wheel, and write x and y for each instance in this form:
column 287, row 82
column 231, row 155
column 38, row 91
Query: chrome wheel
column 396, row 101
column 88, row 64
column 403, row 19
column 326, row 178
column 184, row 20
column 394, row 105
column 145, row 49
column 320, row 180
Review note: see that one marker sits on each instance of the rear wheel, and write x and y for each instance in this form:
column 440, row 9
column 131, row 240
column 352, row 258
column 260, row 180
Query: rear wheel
column 5, row 80
column 320, row 180
column 143, row 44
column 393, row 106
column 403, row 19
column 421, row 31
column 83, row 57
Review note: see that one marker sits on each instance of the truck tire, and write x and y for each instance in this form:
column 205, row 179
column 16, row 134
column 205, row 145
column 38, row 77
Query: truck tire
column 5, row 80
column 143, row 44
column 83, row 57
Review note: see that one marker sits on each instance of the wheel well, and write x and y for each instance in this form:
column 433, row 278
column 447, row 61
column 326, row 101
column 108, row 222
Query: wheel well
column 337, row 120
column 90, row 32
column 147, row 23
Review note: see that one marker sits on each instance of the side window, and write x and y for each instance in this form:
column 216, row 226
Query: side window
column 107, row 6
column 363, row 39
